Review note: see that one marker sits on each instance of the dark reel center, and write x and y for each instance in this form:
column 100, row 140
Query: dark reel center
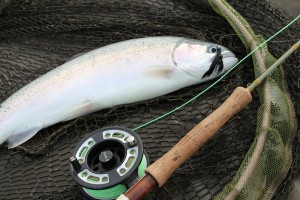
column 106, row 156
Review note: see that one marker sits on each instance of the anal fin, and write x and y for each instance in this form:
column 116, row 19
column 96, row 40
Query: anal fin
column 20, row 138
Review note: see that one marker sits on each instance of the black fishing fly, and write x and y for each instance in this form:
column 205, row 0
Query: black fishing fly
column 217, row 64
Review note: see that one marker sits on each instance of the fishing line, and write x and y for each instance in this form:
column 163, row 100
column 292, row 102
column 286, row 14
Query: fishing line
column 218, row 80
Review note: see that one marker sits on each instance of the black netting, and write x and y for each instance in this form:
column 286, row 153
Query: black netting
column 38, row 35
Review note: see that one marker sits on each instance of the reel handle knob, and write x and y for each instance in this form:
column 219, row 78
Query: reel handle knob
column 75, row 163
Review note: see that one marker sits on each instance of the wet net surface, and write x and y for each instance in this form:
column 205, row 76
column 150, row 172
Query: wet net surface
column 36, row 36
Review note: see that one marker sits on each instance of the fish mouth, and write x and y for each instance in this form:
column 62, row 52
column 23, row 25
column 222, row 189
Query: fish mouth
column 229, row 60
column 228, row 54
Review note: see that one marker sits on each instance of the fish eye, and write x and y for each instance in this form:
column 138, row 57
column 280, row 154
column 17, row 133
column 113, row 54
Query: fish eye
column 212, row 49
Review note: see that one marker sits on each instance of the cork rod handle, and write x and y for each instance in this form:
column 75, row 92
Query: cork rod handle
column 163, row 168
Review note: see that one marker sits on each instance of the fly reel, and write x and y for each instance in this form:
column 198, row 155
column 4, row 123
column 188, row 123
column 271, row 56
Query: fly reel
column 107, row 162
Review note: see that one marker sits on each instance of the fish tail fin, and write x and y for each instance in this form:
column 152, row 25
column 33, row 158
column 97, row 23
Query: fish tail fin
column 20, row 138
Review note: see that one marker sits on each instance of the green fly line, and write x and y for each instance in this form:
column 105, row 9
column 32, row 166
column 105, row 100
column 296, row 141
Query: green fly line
column 117, row 190
column 218, row 80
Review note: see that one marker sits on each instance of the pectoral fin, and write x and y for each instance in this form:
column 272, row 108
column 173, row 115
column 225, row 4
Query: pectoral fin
column 158, row 72
column 20, row 138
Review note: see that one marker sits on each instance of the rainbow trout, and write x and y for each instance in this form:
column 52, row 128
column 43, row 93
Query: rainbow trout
column 120, row 73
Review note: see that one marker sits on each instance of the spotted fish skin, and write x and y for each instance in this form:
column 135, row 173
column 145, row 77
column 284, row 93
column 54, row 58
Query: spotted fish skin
column 120, row 73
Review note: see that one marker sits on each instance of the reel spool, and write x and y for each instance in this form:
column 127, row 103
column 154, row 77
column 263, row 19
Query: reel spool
column 108, row 162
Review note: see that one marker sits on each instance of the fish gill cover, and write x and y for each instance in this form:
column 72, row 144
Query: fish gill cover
column 36, row 36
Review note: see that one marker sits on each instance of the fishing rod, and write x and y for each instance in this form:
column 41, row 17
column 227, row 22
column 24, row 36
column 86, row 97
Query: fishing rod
column 161, row 170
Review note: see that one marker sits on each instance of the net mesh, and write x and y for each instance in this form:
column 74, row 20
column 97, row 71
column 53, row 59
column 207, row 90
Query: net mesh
column 36, row 36
column 269, row 157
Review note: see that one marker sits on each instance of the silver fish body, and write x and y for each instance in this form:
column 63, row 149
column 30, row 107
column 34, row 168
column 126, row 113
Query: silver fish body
column 116, row 74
